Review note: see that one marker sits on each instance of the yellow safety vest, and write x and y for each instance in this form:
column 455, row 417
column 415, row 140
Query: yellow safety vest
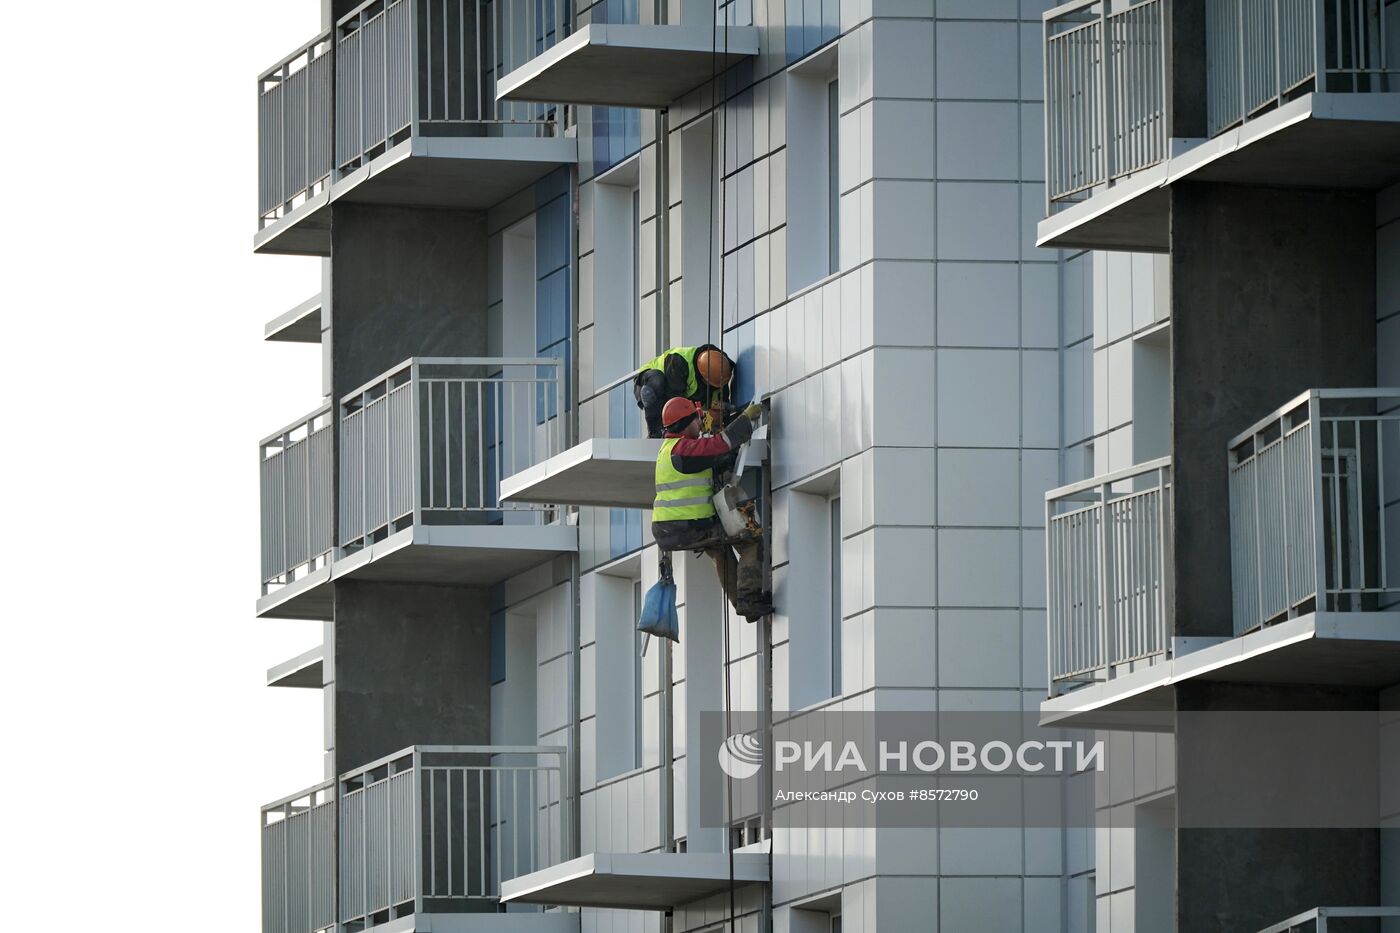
column 681, row 496
column 692, row 384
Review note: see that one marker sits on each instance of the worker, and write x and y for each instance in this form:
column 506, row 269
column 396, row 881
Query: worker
column 683, row 516
column 700, row 374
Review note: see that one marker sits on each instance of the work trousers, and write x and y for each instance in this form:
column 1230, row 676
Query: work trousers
column 651, row 393
column 738, row 562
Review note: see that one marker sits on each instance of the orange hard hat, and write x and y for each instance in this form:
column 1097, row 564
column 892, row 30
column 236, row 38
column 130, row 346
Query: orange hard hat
column 677, row 410
column 714, row 367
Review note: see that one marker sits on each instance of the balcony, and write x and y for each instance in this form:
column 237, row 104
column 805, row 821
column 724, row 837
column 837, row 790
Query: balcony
column 397, row 105
column 419, row 840
column 415, row 496
column 1315, row 566
column 1299, row 93
column 301, row 324
column 638, row 880
column 629, row 65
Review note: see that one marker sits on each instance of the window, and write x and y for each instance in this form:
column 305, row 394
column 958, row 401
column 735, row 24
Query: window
column 814, row 587
column 834, row 563
column 814, row 178
column 617, row 667
column 618, row 334
column 638, row 677
column 833, row 176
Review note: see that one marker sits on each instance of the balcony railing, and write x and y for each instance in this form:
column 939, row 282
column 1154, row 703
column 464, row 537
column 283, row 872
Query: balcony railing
column 298, row 514
column 1315, row 507
column 298, row 861
column 425, row 443
column 430, row 829
column 294, row 127
column 1109, row 570
column 391, row 70
column 1317, row 919
column 1105, row 75
column 429, row 440
column 1105, row 94
column 1259, row 53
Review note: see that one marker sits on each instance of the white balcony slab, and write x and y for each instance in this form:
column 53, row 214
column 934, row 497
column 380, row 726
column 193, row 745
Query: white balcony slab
column 629, row 65
column 302, row 324
column 1317, row 141
column 304, row 670
column 1357, row 649
column 604, row 472
column 468, row 555
column 551, row 922
column 462, row 172
column 636, row 880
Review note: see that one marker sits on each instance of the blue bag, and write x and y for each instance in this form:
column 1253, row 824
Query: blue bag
column 659, row 616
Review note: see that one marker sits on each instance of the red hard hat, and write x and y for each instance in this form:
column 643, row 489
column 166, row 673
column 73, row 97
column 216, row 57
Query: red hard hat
column 677, row 410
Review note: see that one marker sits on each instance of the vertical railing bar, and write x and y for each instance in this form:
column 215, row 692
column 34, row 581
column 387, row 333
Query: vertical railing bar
column 446, row 65
column 1336, row 509
column 432, row 830
column 500, row 829
column 481, row 441
column 1380, row 498
column 485, row 820
column 1360, row 529
column 515, row 820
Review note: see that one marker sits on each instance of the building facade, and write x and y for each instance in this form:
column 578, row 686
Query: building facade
column 1018, row 284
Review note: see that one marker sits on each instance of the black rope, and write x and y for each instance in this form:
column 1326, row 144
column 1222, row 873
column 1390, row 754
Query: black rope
column 719, row 138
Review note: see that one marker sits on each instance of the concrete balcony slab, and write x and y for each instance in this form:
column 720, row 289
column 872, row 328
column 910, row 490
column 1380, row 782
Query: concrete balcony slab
column 304, row 670
column 301, row 324
column 628, row 65
column 636, row 880
column 1349, row 141
column 1357, row 649
column 461, row 172
column 603, row 472
column 464, row 555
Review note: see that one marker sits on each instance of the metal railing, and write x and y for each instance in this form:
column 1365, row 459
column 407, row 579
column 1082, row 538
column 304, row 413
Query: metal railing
column 294, row 128
column 1109, row 572
column 1259, row 53
column 429, row 828
column 391, row 70
column 436, row 828
column 1316, row 920
column 1105, row 94
column 429, row 441
column 1314, row 499
column 294, row 467
column 298, row 861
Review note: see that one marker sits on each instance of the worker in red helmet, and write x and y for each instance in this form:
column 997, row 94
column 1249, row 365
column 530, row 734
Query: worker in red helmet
column 683, row 516
column 701, row 374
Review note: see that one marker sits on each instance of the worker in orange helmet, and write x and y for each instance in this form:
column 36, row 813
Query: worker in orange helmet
column 683, row 516
column 700, row 374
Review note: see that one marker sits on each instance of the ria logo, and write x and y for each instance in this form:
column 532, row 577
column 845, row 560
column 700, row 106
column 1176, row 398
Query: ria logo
column 741, row 756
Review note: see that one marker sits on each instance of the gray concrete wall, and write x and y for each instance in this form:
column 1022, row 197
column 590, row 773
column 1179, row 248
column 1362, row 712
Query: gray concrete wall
column 1242, row 880
column 1186, row 68
column 405, row 282
column 1274, row 292
column 412, row 667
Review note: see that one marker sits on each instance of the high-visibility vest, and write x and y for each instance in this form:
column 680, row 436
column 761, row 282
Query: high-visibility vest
column 681, row 496
column 692, row 383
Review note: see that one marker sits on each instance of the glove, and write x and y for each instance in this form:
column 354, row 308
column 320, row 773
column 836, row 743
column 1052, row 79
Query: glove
column 753, row 411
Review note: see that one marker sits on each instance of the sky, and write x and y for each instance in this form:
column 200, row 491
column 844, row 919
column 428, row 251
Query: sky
column 139, row 739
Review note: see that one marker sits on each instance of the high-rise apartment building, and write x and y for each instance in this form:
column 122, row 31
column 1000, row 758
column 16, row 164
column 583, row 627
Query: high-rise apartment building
column 1070, row 322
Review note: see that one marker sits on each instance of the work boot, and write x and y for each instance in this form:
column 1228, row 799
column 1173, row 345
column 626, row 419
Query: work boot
column 752, row 609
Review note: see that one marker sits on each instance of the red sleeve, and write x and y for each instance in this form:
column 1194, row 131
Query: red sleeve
column 716, row 446
column 693, row 454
